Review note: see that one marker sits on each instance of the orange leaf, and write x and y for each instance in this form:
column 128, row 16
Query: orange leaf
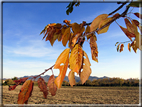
column 138, row 15
column 102, row 23
column 25, row 92
column 67, row 21
column 43, row 87
column 121, row 47
column 118, row 47
column 75, row 59
column 129, row 47
column 52, row 86
column 127, row 33
column 95, row 23
column 12, row 87
column 75, row 39
column 133, row 44
column 76, row 28
column 70, row 44
column 130, row 27
column 62, row 59
column 94, row 49
column 71, row 78
column 84, row 75
column 66, row 36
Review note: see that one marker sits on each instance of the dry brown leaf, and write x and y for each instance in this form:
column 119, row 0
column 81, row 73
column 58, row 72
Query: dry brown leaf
column 138, row 15
column 94, row 49
column 43, row 87
column 52, row 86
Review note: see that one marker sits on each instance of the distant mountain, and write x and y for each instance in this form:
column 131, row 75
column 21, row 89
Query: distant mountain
column 46, row 77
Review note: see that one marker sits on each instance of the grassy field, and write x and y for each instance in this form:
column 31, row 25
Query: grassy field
column 78, row 95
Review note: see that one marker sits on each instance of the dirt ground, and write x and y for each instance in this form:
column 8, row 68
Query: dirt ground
column 78, row 95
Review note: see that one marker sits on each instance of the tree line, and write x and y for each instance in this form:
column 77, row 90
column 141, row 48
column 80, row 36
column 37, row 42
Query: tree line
column 95, row 82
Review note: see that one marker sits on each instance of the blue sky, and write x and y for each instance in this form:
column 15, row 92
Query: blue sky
column 25, row 53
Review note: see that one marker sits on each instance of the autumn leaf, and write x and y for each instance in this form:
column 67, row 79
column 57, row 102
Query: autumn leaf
column 74, row 40
column 84, row 75
column 67, row 21
column 75, row 59
column 138, row 15
column 66, row 36
column 62, row 65
column 12, row 87
column 76, row 28
column 71, row 78
column 121, row 47
column 43, row 87
column 95, row 23
column 137, row 24
column 70, row 44
column 130, row 27
column 129, row 47
column 102, row 23
column 94, row 49
column 133, row 44
column 52, row 86
column 25, row 92
column 118, row 47
column 127, row 33
column 116, row 43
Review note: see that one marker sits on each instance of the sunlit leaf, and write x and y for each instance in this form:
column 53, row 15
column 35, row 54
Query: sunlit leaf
column 62, row 65
column 52, row 86
column 116, row 15
column 133, row 44
column 66, row 36
column 25, row 92
column 102, row 23
column 84, row 75
column 43, row 87
column 95, row 23
column 75, row 59
column 71, row 78
column 74, row 40
column 94, row 49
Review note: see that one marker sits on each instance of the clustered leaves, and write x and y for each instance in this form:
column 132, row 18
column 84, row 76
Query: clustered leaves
column 74, row 57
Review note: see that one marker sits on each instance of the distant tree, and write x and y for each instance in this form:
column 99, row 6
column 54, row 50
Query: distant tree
column 9, row 82
column 15, row 78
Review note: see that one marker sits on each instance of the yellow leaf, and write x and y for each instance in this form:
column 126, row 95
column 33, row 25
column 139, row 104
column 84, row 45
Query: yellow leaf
column 133, row 44
column 62, row 59
column 84, row 75
column 76, row 28
column 94, row 49
column 95, row 23
column 102, row 23
column 75, row 60
column 52, row 40
column 70, row 44
column 71, row 78
column 66, row 36
column 75, row 39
